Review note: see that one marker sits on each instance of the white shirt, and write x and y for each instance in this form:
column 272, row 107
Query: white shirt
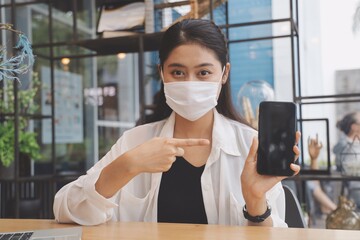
column 79, row 202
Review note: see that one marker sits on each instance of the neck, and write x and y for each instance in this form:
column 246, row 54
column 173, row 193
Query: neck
column 201, row 128
column 352, row 136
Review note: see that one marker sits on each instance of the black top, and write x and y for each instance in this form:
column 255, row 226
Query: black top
column 180, row 196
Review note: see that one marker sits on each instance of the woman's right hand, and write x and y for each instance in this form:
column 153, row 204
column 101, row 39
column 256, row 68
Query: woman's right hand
column 155, row 155
column 158, row 154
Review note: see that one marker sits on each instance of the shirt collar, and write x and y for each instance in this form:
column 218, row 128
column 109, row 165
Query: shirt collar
column 223, row 136
column 168, row 128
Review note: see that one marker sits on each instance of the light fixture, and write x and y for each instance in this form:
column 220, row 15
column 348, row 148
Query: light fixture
column 121, row 55
column 65, row 61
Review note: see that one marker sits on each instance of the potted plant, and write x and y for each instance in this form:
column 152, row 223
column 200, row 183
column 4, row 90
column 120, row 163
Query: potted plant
column 28, row 145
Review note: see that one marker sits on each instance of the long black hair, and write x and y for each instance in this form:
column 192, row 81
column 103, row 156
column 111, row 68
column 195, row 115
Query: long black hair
column 206, row 34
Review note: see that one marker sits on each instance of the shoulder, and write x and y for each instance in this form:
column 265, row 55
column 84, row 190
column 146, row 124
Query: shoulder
column 339, row 146
column 232, row 136
column 240, row 129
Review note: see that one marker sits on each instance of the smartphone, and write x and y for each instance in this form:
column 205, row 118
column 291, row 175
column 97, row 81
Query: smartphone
column 277, row 128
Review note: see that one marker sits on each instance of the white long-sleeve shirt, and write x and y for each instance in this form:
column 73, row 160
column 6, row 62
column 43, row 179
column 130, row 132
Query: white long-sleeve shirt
column 79, row 202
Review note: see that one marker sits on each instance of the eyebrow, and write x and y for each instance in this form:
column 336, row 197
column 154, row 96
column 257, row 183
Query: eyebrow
column 197, row 66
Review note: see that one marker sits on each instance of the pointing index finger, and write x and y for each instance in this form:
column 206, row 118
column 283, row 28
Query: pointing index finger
column 181, row 142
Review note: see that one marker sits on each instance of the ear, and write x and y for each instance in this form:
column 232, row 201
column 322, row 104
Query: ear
column 226, row 73
column 159, row 70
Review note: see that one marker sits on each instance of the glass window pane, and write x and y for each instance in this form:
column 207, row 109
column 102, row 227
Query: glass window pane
column 241, row 11
column 117, row 89
column 39, row 24
column 328, row 46
column 311, row 130
column 332, row 112
column 260, row 31
column 74, row 120
column 44, row 165
column 219, row 14
column 107, row 138
column 268, row 61
column 86, row 13
column 250, row 61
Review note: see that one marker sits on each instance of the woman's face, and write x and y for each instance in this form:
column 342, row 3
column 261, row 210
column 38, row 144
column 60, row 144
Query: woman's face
column 356, row 126
column 191, row 62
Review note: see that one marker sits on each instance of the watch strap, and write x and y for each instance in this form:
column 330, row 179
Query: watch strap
column 259, row 218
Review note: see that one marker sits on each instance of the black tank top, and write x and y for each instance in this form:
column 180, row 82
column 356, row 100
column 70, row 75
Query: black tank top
column 180, row 197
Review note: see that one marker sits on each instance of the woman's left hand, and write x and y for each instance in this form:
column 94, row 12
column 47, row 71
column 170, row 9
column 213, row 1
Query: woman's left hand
column 254, row 186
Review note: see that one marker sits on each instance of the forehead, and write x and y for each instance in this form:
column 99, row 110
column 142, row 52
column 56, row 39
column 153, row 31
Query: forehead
column 192, row 54
column 357, row 116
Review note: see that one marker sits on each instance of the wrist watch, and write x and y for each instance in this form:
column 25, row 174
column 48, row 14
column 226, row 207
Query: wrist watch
column 259, row 218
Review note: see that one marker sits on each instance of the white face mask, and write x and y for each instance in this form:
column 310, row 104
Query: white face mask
column 192, row 99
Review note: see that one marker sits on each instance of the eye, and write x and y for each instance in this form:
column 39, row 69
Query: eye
column 204, row 73
column 177, row 73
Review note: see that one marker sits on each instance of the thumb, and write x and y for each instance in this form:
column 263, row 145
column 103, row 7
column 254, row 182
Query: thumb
column 253, row 150
column 179, row 152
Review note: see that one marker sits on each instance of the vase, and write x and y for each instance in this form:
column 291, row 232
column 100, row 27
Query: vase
column 344, row 216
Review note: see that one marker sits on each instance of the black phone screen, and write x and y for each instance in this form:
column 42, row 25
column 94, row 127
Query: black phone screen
column 277, row 127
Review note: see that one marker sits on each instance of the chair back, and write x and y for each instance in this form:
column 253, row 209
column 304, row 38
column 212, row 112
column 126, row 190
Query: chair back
column 294, row 216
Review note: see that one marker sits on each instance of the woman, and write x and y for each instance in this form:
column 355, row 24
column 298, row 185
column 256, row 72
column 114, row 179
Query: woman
column 348, row 149
column 196, row 164
column 349, row 125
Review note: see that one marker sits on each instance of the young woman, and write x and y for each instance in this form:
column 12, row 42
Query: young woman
column 349, row 125
column 195, row 164
column 348, row 149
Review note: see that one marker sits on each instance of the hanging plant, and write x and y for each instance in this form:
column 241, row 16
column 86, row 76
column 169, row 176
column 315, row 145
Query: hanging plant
column 20, row 63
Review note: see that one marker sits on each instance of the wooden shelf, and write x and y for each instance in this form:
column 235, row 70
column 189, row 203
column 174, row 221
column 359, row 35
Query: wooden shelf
column 123, row 44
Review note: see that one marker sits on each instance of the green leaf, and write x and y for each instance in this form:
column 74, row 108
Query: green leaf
column 27, row 140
